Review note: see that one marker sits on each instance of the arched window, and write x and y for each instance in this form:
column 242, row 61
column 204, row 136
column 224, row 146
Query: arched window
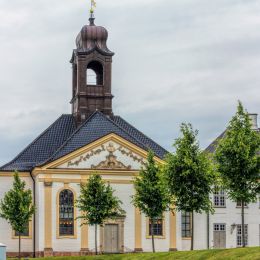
column 94, row 73
column 66, row 213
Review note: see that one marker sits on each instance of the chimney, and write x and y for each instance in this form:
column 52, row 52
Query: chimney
column 253, row 118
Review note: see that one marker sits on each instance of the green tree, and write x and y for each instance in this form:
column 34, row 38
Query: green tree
column 151, row 196
column 238, row 162
column 97, row 203
column 190, row 175
column 17, row 207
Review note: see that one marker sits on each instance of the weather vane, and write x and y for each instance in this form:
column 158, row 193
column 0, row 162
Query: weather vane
column 93, row 6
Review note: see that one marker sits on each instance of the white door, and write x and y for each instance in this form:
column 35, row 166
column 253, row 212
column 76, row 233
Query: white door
column 219, row 235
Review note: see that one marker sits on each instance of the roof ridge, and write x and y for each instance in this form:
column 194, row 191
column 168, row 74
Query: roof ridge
column 128, row 132
column 81, row 126
column 77, row 129
column 150, row 139
column 215, row 141
column 34, row 141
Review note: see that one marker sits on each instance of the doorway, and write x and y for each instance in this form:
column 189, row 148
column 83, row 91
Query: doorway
column 111, row 238
column 219, row 236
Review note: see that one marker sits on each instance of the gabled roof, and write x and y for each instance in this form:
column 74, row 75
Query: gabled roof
column 157, row 149
column 99, row 125
column 213, row 146
column 62, row 138
column 43, row 146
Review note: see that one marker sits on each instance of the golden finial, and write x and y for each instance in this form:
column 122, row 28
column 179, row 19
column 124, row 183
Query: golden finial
column 93, row 6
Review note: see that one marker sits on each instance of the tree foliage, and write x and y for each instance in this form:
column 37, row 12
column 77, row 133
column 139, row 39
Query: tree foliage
column 17, row 206
column 97, row 203
column 151, row 193
column 190, row 174
column 238, row 161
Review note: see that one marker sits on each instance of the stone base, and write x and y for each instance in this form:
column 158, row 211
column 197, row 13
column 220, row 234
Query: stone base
column 15, row 254
column 173, row 249
column 39, row 254
column 47, row 252
column 66, row 254
column 84, row 251
column 138, row 250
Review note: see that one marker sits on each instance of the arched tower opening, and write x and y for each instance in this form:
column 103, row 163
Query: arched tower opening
column 95, row 73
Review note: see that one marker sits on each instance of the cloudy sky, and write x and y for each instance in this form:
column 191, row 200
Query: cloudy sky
column 181, row 60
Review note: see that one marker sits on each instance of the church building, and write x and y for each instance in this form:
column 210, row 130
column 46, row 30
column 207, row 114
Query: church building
column 92, row 139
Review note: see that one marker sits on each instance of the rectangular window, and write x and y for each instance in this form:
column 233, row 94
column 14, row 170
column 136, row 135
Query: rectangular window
column 219, row 197
column 239, row 235
column 219, row 227
column 25, row 233
column 186, row 224
column 157, row 227
column 239, row 204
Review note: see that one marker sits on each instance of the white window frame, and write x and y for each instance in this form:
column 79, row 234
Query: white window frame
column 219, row 227
column 239, row 235
column 219, row 197
column 239, row 204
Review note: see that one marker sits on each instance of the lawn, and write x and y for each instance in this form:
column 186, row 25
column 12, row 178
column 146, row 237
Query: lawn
column 238, row 253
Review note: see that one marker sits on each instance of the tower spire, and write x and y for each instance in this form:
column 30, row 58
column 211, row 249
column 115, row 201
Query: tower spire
column 92, row 72
column 92, row 9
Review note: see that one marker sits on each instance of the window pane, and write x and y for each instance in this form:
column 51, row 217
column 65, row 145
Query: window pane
column 25, row 233
column 186, row 224
column 66, row 213
column 239, row 235
column 219, row 197
column 239, row 204
column 157, row 227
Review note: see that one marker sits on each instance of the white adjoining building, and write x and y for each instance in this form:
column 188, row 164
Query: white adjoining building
column 92, row 139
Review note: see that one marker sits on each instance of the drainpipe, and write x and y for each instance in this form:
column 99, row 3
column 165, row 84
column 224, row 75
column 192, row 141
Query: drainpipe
column 34, row 222
column 208, row 230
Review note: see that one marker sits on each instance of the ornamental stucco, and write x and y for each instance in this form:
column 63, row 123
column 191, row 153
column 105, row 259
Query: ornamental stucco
column 109, row 155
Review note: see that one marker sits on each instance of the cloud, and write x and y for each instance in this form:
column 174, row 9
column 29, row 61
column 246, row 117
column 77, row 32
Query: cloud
column 182, row 60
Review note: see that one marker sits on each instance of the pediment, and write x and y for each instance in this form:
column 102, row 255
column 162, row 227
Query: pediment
column 108, row 153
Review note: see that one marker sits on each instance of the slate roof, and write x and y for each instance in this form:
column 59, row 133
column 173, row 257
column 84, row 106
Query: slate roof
column 213, row 146
column 43, row 146
column 63, row 137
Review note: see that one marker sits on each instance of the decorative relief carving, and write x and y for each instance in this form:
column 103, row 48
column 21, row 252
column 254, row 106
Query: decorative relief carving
column 111, row 161
column 87, row 156
column 131, row 155
column 48, row 183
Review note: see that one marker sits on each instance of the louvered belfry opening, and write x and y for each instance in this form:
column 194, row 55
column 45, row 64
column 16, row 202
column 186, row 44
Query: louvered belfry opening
column 91, row 73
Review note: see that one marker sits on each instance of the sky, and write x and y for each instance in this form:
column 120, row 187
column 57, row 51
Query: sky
column 176, row 61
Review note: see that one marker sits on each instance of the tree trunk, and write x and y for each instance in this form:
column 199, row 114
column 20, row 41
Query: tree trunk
column 192, row 231
column 243, row 223
column 96, row 252
column 19, row 255
column 152, row 223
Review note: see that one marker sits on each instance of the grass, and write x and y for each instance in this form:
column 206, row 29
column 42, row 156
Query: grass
column 252, row 253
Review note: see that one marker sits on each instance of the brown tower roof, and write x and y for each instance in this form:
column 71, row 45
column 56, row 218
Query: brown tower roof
column 92, row 37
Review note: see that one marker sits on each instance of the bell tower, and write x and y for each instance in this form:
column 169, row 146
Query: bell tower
column 91, row 73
